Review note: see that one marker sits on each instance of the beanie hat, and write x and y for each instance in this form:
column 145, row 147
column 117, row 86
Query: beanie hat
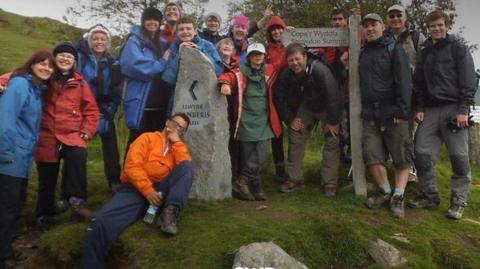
column 178, row 5
column 243, row 21
column 65, row 47
column 215, row 15
column 151, row 13
column 98, row 28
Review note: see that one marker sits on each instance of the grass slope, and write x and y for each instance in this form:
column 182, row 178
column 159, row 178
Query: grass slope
column 21, row 36
column 320, row 232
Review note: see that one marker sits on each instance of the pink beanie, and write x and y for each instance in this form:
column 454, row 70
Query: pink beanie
column 242, row 21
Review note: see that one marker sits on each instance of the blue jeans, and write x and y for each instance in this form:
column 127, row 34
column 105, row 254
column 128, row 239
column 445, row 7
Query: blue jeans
column 126, row 206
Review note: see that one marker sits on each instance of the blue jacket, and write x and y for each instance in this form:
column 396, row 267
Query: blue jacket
column 140, row 64
column 170, row 74
column 88, row 65
column 20, row 116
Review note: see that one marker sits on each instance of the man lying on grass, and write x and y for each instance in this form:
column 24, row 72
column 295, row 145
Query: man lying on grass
column 156, row 162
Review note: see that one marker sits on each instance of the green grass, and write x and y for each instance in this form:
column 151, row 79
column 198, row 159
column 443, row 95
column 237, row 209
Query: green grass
column 320, row 232
column 21, row 36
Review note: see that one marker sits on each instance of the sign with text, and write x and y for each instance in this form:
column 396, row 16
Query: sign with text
column 317, row 37
column 475, row 113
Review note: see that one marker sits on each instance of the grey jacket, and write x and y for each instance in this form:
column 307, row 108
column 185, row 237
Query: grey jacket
column 385, row 81
column 445, row 74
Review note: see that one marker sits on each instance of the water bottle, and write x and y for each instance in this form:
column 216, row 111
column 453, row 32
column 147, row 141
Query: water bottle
column 151, row 212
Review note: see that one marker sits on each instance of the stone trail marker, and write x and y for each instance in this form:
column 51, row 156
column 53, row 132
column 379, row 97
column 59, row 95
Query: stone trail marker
column 196, row 95
column 342, row 37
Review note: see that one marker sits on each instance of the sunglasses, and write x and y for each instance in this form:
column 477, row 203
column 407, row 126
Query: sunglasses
column 392, row 16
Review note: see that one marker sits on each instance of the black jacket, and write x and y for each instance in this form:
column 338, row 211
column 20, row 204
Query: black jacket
column 317, row 91
column 205, row 34
column 445, row 74
column 385, row 81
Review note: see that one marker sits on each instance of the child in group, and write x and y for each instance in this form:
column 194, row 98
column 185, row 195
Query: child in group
column 256, row 119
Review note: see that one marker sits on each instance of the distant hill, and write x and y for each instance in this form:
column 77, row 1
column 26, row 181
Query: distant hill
column 20, row 36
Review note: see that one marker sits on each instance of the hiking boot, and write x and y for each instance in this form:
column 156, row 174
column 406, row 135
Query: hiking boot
column 61, row 206
column 412, row 175
column 291, row 185
column 258, row 192
column 330, row 190
column 81, row 210
column 456, row 209
column 379, row 199
column 45, row 222
column 396, row 206
column 423, row 202
column 240, row 189
column 168, row 219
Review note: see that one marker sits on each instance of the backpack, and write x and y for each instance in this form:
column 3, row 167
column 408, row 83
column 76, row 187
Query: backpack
column 336, row 68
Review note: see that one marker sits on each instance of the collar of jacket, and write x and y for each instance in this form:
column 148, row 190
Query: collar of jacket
column 36, row 87
column 447, row 40
column 207, row 32
column 196, row 40
column 137, row 31
column 403, row 35
column 382, row 41
column 74, row 82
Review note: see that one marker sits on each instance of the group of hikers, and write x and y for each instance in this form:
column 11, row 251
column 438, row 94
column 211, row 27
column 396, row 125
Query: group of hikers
column 56, row 102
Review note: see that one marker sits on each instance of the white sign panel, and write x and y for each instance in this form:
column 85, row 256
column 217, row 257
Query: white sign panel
column 317, row 37
column 475, row 113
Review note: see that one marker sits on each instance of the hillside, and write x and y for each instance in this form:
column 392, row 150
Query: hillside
column 21, row 36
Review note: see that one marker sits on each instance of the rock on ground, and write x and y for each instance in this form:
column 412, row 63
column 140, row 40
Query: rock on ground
column 265, row 254
column 386, row 255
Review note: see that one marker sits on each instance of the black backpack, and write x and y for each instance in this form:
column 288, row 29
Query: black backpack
column 336, row 68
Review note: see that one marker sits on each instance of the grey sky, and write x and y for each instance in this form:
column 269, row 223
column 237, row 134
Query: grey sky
column 467, row 10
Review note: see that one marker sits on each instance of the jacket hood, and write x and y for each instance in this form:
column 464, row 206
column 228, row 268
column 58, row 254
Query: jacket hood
column 136, row 30
column 276, row 20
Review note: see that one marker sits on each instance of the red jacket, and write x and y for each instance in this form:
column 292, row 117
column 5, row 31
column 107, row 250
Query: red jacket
column 68, row 111
column 275, row 52
column 168, row 33
column 238, row 81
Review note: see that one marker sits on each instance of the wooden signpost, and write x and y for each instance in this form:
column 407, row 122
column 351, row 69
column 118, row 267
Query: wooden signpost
column 342, row 37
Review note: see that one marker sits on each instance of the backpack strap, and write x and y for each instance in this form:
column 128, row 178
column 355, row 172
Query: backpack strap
column 415, row 38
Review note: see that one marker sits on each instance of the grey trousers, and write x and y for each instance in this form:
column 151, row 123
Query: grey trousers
column 253, row 158
column 296, row 149
column 429, row 137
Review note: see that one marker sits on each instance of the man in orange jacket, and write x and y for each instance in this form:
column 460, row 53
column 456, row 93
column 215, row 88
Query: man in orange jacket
column 156, row 162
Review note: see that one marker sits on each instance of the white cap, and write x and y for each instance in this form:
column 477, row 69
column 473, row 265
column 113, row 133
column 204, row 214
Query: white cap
column 258, row 47
column 396, row 8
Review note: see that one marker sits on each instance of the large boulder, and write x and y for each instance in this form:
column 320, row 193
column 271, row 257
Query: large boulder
column 196, row 94
column 264, row 255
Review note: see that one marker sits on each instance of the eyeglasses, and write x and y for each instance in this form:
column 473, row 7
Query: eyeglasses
column 66, row 56
column 392, row 16
column 178, row 126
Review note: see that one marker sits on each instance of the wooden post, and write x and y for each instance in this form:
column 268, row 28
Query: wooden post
column 358, row 166
column 342, row 37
